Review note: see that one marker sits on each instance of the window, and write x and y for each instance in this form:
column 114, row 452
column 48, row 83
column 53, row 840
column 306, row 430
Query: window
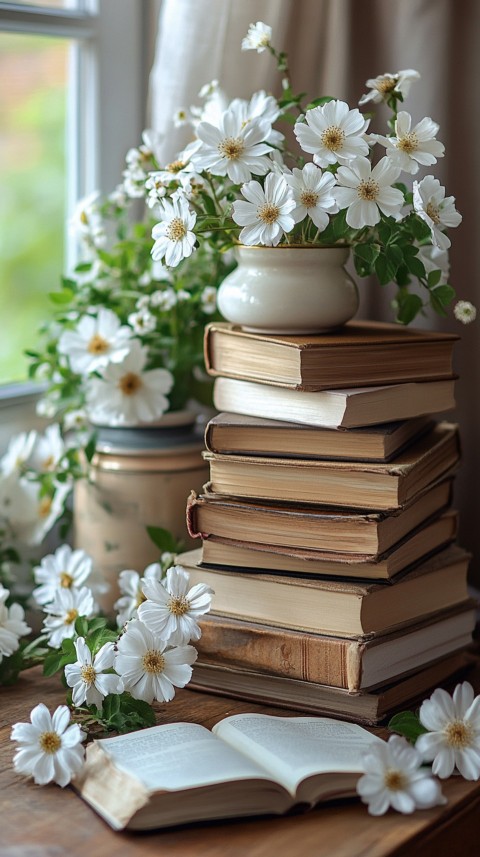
column 73, row 80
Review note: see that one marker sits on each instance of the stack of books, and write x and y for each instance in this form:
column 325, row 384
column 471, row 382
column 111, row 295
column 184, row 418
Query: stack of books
column 327, row 525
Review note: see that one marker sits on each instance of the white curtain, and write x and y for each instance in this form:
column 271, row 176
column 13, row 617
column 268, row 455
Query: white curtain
column 334, row 46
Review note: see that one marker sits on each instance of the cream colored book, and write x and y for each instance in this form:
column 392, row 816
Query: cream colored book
column 250, row 764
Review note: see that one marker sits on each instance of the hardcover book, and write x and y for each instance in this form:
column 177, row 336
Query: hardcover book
column 250, row 764
column 334, row 408
column 344, row 608
column 357, row 664
column 239, row 433
column 311, row 527
column 355, row 485
column 362, row 353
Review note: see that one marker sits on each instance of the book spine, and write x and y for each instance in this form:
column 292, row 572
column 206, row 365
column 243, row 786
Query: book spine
column 192, row 503
column 307, row 657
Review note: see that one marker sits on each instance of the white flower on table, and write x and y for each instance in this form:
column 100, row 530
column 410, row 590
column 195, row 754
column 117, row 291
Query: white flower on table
column 12, row 625
column 266, row 213
column 437, row 210
column 365, row 192
column 171, row 609
column 232, row 148
column 18, row 453
column 393, row 776
column 384, row 85
column 87, row 677
column 129, row 394
column 313, row 194
column 258, row 37
column 465, row 312
column 97, row 341
column 453, row 737
column 131, row 586
column 333, row 133
column 411, row 148
column 149, row 668
column 64, row 569
column 49, row 750
column 174, row 239
column 48, row 450
column 64, row 610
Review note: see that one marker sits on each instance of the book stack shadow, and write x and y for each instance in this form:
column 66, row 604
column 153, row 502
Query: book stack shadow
column 327, row 528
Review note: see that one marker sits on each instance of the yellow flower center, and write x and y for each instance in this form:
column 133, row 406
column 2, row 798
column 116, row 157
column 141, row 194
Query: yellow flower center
column 178, row 606
column 130, row 383
column 232, row 148
column 386, row 85
column 48, row 463
column 459, row 734
column 153, row 661
column 333, row 137
column 268, row 212
column 394, row 780
column 433, row 212
column 408, row 143
column 70, row 617
column 66, row 580
column 309, row 198
column 88, row 674
column 176, row 229
column 140, row 598
column 84, row 218
column 44, row 507
column 50, row 742
column 97, row 345
column 176, row 166
column 368, row 190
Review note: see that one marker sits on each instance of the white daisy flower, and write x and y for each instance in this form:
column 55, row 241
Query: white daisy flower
column 127, row 394
column 181, row 117
column 87, row 677
column 18, row 453
column 183, row 295
column 365, row 192
column 208, row 89
column 47, row 406
column 453, row 737
column 48, row 450
column 437, row 210
column 384, row 85
column 260, row 106
column 142, row 321
column 267, row 214
column 164, row 299
column 312, row 192
column 86, row 222
column 174, row 239
column 465, row 312
column 435, row 259
column 209, row 300
column 96, row 342
column 258, row 37
column 157, row 189
column 75, row 420
column 148, row 668
column 66, row 607
column 134, row 178
column 232, row 148
column 171, row 609
column 394, row 777
column 64, row 569
column 118, row 197
column 30, row 513
column 49, row 750
column 12, row 625
column 333, row 133
column 412, row 147
column 130, row 584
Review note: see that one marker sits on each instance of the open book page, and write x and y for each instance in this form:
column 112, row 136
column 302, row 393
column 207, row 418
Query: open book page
column 293, row 748
column 179, row 756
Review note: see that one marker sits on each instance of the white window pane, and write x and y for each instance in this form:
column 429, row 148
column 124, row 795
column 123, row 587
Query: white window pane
column 33, row 77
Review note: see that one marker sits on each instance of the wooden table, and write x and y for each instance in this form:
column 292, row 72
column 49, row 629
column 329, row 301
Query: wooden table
column 52, row 822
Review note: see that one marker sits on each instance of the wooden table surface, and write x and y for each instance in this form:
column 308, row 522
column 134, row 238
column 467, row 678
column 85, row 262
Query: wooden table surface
column 52, row 822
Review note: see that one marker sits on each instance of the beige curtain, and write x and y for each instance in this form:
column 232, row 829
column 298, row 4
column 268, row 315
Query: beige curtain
column 334, row 46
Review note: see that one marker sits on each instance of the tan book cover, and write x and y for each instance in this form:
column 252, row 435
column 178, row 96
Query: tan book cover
column 311, row 527
column 360, row 664
column 362, row 353
column 337, row 607
column 356, row 485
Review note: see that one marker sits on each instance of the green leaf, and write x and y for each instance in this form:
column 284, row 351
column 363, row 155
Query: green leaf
column 163, row 539
column 420, row 229
column 441, row 297
column 385, row 269
column 90, row 447
column 81, row 626
column 317, row 102
column 407, row 723
column 408, row 307
column 434, row 278
column 52, row 663
column 64, row 297
column 415, row 266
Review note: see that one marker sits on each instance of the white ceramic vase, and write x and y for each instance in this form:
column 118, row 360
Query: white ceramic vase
column 289, row 289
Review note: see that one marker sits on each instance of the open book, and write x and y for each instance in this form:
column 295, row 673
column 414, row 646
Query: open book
column 252, row 764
